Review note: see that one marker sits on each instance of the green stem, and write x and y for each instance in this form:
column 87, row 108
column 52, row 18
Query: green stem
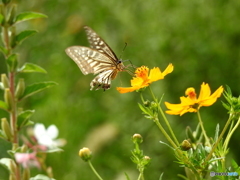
column 164, row 117
column 203, row 130
column 141, row 96
column 225, row 144
column 140, row 176
column 13, row 118
column 219, row 138
column 93, row 169
column 13, row 112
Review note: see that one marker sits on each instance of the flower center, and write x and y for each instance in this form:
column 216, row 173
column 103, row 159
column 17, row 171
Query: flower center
column 142, row 72
column 190, row 92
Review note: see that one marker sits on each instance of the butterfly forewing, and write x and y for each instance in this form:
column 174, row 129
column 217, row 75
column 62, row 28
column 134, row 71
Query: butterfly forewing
column 96, row 42
column 99, row 59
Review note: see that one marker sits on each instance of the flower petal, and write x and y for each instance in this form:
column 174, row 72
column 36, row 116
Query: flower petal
column 39, row 130
column 137, row 81
column 168, row 70
column 127, row 89
column 155, row 74
column 204, row 92
column 213, row 98
column 52, row 131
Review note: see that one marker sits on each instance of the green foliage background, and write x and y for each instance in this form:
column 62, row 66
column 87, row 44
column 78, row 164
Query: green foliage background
column 200, row 37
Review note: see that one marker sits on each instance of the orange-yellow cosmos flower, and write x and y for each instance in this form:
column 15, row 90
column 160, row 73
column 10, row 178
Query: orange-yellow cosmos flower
column 191, row 103
column 143, row 78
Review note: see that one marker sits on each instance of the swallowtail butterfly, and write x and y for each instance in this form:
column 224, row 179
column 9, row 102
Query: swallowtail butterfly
column 99, row 60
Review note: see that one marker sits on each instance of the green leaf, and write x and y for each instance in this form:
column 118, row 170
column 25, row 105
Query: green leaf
column 143, row 108
column 37, row 87
column 3, row 105
column 216, row 133
column 22, row 36
column 2, row 135
column 42, row 177
column 23, row 118
column 126, row 175
column 1, row 18
column 4, row 50
column 29, row 68
column 28, row 15
column 161, row 176
column 12, row 62
column 6, row 163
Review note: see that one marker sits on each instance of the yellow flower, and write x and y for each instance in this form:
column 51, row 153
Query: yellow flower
column 143, row 78
column 191, row 103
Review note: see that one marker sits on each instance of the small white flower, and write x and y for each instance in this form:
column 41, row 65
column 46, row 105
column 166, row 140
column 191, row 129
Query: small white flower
column 47, row 137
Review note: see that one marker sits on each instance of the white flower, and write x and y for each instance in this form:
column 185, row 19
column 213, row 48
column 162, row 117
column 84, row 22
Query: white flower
column 47, row 137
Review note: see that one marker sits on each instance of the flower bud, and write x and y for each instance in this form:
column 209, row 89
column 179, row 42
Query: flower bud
column 8, row 98
column 20, row 88
column 49, row 172
column 147, row 103
column 26, row 174
column 85, row 154
column 6, row 128
column 137, row 138
column 147, row 159
column 12, row 14
column 154, row 106
column 13, row 167
column 13, row 40
column 186, row 145
column 207, row 149
column 14, row 146
column 5, row 81
column 12, row 177
column 24, row 149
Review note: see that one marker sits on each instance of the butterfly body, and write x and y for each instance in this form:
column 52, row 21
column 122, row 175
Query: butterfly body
column 99, row 60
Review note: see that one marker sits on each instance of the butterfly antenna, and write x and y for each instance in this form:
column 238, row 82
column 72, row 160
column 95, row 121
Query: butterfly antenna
column 123, row 50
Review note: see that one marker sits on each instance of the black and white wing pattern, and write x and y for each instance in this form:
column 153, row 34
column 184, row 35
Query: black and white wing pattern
column 99, row 59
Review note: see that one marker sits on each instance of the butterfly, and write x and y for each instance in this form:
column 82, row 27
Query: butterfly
column 99, row 60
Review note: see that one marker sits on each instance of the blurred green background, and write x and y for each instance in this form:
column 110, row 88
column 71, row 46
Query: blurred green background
column 200, row 37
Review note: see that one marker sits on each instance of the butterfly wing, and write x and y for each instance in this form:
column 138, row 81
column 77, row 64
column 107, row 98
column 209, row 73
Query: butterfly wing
column 102, row 80
column 96, row 42
column 89, row 60
column 99, row 59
